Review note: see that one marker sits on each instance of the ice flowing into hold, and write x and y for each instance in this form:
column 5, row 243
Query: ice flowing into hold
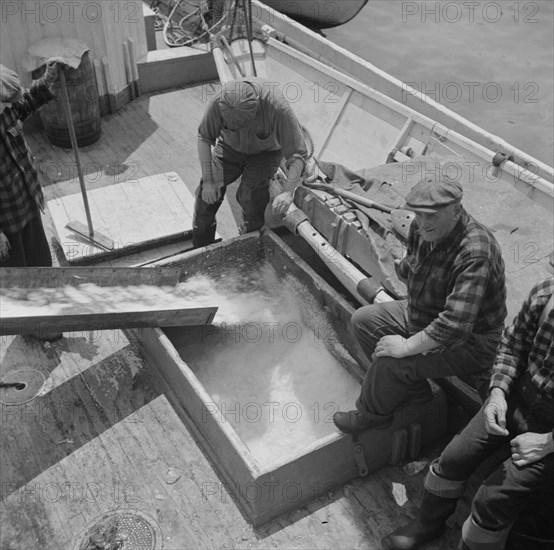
column 268, row 361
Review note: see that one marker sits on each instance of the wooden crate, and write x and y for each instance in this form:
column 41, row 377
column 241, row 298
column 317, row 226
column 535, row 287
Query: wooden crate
column 262, row 492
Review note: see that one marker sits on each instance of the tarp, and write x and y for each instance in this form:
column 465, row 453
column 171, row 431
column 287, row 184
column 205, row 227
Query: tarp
column 387, row 185
column 519, row 224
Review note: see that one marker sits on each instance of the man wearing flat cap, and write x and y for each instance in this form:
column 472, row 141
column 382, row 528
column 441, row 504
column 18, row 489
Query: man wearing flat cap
column 516, row 420
column 23, row 242
column 451, row 322
column 246, row 131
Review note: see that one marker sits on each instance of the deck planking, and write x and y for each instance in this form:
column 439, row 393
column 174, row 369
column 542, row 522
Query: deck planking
column 125, row 435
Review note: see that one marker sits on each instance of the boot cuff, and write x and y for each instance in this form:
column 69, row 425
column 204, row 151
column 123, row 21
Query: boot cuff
column 476, row 537
column 441, row 487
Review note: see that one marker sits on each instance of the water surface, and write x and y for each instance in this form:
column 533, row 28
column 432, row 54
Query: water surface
column 491, row 62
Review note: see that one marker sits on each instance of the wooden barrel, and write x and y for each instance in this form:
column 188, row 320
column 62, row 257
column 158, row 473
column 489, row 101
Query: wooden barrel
column 85, row 108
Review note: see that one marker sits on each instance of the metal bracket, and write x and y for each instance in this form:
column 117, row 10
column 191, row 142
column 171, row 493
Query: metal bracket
column 359, row 457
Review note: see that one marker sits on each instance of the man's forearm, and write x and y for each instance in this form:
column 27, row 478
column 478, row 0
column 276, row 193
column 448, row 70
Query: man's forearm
column 205, row 158
column 293, row 173
column 33, row 99
column 420, row 343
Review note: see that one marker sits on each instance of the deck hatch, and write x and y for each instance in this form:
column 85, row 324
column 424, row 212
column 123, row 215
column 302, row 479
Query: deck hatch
column 265, row 490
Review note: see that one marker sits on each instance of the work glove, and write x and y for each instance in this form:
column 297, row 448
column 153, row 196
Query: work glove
column 53, row 67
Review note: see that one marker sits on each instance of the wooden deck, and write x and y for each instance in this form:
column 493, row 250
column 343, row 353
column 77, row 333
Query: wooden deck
column 101, row 437
column 153, row 135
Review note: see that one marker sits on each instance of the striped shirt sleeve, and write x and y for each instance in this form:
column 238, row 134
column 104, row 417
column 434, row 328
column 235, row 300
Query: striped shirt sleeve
column 523, row 344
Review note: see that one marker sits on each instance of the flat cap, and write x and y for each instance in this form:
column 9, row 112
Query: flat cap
column 10, row 85
column 429, row 195
column 238, row 103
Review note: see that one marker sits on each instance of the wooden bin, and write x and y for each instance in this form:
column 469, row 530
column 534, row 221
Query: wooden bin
column 85, row 108
column 264, row 492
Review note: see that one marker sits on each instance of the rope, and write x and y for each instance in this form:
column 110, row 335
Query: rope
column 198, row 25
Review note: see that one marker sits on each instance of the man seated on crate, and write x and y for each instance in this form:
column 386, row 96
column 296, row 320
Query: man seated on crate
column 452, row 321
column 247, row 130
column 518, row 418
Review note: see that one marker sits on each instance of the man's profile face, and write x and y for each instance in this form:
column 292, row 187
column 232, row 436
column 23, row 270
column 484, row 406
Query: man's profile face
column 436, row 226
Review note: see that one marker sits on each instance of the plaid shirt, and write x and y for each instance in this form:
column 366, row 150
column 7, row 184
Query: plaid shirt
column 20, row 192
column 526, row 345
column 456, row 287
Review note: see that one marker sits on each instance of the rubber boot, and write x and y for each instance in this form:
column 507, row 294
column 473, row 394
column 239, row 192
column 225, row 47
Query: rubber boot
column 428, row 525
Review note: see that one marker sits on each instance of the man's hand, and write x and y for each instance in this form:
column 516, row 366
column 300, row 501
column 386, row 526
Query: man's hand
column 495, row 413
column 392, row 346
column 282, row 202
column 211, row 192
column 4, row 247
column 53, row 67
column 530, row 447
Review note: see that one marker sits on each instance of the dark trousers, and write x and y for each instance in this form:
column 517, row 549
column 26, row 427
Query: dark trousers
column 391, row 382
column 509, row 489
column 29, row 247
column 228, row 165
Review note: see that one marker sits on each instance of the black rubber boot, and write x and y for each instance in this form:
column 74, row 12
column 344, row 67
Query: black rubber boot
column 352, row 422
column 428, row 525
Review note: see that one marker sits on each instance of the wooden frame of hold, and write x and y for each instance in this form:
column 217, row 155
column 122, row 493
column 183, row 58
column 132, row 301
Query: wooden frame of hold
column 262, row 493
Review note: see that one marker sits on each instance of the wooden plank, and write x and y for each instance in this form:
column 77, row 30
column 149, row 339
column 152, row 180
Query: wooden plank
column 181, row 66
column 132, row 298
column 404, row 133
column 333, row 122
column 149, row 24
column 111, row 90
column 45, row 324
column 157, row 211
column 33, row 277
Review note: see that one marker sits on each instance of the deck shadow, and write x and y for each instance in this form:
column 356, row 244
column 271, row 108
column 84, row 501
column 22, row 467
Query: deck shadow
column 80, row 400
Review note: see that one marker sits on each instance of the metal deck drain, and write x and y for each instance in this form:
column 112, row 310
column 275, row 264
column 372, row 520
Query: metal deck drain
column 121, row 530
column 30, row 383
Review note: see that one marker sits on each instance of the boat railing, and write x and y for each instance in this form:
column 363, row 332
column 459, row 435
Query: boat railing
column 533, row 171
